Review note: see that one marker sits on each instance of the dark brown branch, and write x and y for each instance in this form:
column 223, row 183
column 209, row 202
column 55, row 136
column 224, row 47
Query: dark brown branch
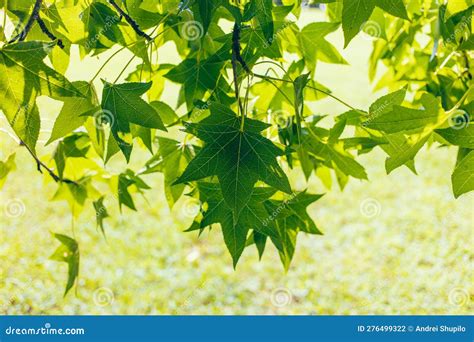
column 40, row 165
column 467, row 65
column 29, row 24
column 236, row 57
column 35, row 16
column 236, row 48
column 47, row 32
column 130, row 21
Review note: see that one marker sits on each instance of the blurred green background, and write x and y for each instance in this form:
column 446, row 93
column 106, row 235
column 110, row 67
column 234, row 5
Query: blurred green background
column 398, row 244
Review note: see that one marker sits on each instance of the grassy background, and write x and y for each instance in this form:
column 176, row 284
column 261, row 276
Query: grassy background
column 414, row 256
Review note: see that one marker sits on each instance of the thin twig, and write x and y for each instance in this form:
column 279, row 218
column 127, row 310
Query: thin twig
column 40, row 165
column 130, row 21
column 267, row 78
column 35, row 16
column 235, row 59
column 29, row 24
column 461, row 101
column 47, row 32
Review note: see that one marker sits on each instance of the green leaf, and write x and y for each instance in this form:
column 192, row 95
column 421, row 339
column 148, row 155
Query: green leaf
column 406, row 151
column 197, row 76
column 314, row 47
column 355, row 13
column 166, row 113
column 250, row 10
column 333, row 153
column 253, row 216
column 6, row 167
column 100, row 213
column 101, row 24
column 456, row 6
column 23, row 77
column 463, row 175
column 73, row 113
column 126, row 180
column 144, row 18
column 124, row 105
column 290, row 217
column 386, row 103
column 264, row 17
column 260, row 241
column 239, row 158
column 396, row 144
column 295, row 209
column 171, row 159
column 393, row 7
column 206, row 10
column 286, row 241
column 68, row 252
column 401, row 119
column 463, row 137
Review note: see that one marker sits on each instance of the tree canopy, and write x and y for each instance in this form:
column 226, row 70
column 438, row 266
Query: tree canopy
column 241, row 118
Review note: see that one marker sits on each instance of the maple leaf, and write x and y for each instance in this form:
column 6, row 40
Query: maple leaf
column 239, row 158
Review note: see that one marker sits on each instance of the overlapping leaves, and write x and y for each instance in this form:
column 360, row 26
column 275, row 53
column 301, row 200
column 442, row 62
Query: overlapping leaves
column 235, row 167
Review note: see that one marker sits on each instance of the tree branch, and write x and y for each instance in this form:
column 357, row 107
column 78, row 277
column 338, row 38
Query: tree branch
column 35, row 16
column 47, row 32
column 130, row 21
column 236, row 48
column 29, row 24
column 40, row 165
column 235, row 54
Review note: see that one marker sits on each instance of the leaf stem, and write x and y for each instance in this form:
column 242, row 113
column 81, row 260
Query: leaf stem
column 265, row 77
column 461, row 101
column 40, row 165
column 125, row 68
column 108, row 60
